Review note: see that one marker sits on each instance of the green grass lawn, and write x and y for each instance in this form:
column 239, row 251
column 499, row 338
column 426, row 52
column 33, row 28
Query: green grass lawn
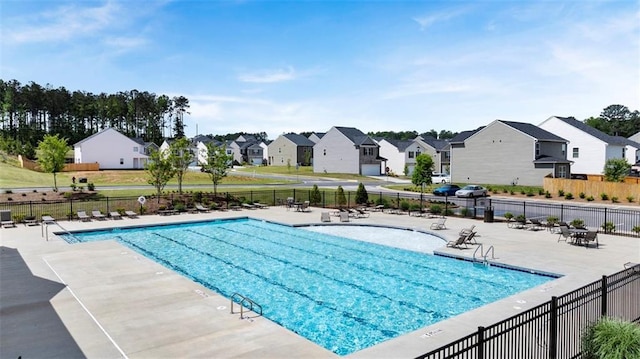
column 301, row 171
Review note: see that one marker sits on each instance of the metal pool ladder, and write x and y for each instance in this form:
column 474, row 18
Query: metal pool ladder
column 484, row 254
column 244, row 302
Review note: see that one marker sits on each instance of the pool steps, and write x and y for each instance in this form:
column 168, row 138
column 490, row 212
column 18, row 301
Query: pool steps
column 244, row 302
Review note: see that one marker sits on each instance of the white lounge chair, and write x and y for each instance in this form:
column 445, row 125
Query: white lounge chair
column 115, row 215
column 344, row 216
column 98, row 215
column 131, row 214
column 324, row 217
column 82, row 215
column 201, row 208
column 439, row 224
column 461, row 241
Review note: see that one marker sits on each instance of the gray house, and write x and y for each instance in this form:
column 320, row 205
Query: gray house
column 347, row 150
column 506, row 152
column 291, row 149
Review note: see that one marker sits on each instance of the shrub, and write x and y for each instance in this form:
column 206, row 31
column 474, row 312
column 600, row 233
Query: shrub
column 553, row 219
column 636, row 229
column 180, row 207
column 560, row 193
column 448, row 212
column 590, row 198
column 522, row 192
column 541, row 192
column 508, row 216
column 464, row 211
column 504, row 190
column 382, row 201
column 315, row 197
column 530, row 193
column 547, row 195
column 578, row 223
column 630, row 199
column 24, row 195
column 614, row 199
column 568, row 196
column 404, row 205
column 604, row 196
column 582, row 195
column 9, row 199
column 8, row 191
column 35, row 191
column 608, row 227
column 414, row 207
column 612, row 339
column 511, row 192
column 435, row 209
column 362, row 197
column 73, row 186
column 121, row 211
column 521, row 218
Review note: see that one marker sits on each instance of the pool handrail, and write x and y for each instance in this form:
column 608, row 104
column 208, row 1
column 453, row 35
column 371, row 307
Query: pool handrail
column 243, row 301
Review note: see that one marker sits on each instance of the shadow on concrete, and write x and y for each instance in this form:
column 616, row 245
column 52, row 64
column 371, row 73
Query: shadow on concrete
column 29, row 325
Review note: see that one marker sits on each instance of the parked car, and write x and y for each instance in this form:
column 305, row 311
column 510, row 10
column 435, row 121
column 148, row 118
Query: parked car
column 440, row 178
column 471, row 191
column 446, row 190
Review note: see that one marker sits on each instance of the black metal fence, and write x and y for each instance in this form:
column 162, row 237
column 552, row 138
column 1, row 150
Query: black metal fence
column 613, row 220
column 552, row 330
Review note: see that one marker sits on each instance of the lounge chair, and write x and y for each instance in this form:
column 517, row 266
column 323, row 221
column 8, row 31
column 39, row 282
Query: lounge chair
column 48, row 220
column 305, row 206
column 362, row 213
column 201, row 208
column 260, row 205
column 590, row 236
column 465, row 231
column 248, row 206
column 82, row 215
column 115, row 215
column 5, row 219
column 535, row 225
column 131, row 214
column 98, row 215
column 439, row 224
column 470, row 238
column 344, row 216
column 324, row 217
column 461, row 241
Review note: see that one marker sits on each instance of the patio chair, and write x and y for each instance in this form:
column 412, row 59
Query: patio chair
column 324, row 217
column 564, row 234
column 362, row 213
column 535, row 225
column 344, row 216
column 115, row 215
column 82, row 215
column 131, row 214
column 590, row 236
column 248, row 206
column 439, row 224
column 305, row 206
column 201, row 208
column 470, row 238
column 98, row 215
column 260, row 205
column 5, row 219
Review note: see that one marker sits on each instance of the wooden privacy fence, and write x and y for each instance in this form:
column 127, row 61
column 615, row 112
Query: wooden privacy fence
column 69, row 167
column 593, row 188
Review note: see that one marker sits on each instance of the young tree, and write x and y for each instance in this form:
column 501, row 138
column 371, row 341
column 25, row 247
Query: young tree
column 217, row 163
column 315, row 197
column 341, row 200
column 52, row 152
column 160, row 171
column 180, row 156
column 362, row 197
column 423, row 170
column 616, row 169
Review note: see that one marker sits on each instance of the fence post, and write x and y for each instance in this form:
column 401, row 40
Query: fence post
column 324, row 202
column 294, row 195
column 70, row 215
column 480, row 354
column 251, row 196
column 274, row 198
column 348, row 199
column 562, row 212
column 553, row 328
column 475, row 207
column 524, row 208
column 603, row 295
column 108, row 205
column 606, row 230
column 31, row 208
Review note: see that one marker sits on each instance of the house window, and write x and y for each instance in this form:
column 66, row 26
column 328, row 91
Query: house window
column 324, row 152
column 576, row 152
column 411, row 154
column 368, row 151
column 562, row 171
column 624, row 152
column 537, row 149
column 122, row 161
column 564, row 149
column 135, row 149
column 417, row 153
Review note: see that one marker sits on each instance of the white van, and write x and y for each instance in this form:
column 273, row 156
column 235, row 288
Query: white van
column 440, row 178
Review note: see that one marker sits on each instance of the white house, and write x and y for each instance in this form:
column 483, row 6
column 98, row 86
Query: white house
column 347, row 150
column 395, row 153
column 112, row 150
column 588, row 148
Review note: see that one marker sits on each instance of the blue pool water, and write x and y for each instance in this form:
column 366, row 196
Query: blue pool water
column 343, row 294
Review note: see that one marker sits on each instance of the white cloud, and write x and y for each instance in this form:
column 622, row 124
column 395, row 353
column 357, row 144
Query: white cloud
column 269, row 76
column 442, row 16
column 63, row 24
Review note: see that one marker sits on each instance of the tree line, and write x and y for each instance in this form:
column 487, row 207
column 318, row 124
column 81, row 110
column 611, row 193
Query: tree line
column 31, row 111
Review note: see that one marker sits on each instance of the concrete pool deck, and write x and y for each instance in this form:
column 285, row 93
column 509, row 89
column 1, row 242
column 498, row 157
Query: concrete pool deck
column 103, row 300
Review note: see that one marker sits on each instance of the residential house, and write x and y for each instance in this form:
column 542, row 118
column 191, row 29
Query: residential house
column 201, row 146
column 347, row 150
column 506, row 152
column 193, row 147
column 589, row 148
column 316, row 136
column 291, row 149
column 112, row 150
column 247, row 149
column 395, row 153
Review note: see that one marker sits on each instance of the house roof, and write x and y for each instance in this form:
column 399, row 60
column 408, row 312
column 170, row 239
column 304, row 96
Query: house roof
column 612, row 140
column 318, row 134
column 399, row 144
column 356, row 136
column 433, row 142
column 551, row 159
column 534, row 131
column 627, row 141
column 103, row 131
column 460, row 137
column 299, row 139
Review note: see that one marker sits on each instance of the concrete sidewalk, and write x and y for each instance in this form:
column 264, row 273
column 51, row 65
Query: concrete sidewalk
column 102, row 300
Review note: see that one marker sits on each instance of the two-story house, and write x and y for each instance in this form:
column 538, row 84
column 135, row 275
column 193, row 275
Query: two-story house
column 347, row 150
column 589, row 148
column 247, row 149
column 506, row 152
column 112, row 150
column 291, row 149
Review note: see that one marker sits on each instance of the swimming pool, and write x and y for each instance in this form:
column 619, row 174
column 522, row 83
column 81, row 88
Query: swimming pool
column 343, row 294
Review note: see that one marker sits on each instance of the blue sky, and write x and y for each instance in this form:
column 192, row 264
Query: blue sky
column 281, row 67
